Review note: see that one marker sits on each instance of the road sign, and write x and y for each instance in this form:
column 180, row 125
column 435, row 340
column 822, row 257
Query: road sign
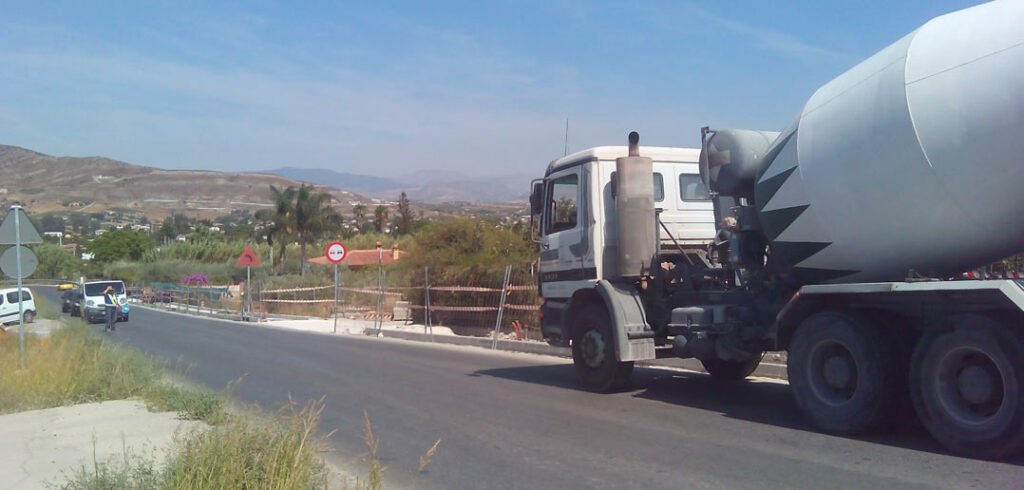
column 9, row 262
column 28, row 232
column 249, row 257
column 336, row 252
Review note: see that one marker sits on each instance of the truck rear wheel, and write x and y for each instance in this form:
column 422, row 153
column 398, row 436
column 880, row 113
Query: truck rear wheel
column 731, row 370
column 967, row 385
column 845, row 374
column 593, row 352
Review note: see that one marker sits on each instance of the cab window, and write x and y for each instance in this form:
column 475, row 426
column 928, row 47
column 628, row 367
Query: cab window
column 562, row 206
column 659, row 187
column 691, row 188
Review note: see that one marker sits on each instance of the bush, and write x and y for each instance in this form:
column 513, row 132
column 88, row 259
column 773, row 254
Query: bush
column 467, row 244
column 171, row 271
column 55, row 263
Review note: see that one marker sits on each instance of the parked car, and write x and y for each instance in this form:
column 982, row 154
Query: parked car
column 9, row 305
column 71, row 302
column 93, row 304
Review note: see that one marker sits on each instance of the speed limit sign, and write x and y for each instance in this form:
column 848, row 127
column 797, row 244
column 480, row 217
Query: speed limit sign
column 336, row 252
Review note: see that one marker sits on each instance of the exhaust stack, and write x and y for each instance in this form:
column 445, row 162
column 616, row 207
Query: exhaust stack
column 634, row 207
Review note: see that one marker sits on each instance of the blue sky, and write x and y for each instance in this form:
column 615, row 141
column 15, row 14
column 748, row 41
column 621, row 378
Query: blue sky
column 387, row 88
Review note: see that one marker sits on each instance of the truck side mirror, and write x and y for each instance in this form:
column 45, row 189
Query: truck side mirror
column 537, row 197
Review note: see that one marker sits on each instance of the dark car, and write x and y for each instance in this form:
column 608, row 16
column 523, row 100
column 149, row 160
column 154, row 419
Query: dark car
column 71, row 302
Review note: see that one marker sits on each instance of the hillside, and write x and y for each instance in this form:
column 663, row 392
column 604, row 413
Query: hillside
column 46, row 183
column 424, row 186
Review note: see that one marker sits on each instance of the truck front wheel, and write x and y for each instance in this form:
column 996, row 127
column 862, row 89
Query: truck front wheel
column 966, row 385
column 846, row 376
column 593, row 352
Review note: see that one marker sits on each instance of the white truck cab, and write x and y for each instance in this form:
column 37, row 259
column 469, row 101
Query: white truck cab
column 577, row 220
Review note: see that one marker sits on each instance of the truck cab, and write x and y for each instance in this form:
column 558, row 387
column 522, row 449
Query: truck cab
column 575, row 221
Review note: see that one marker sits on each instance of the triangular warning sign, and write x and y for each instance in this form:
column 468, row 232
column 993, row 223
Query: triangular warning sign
column 248, row 257
column 27, row 230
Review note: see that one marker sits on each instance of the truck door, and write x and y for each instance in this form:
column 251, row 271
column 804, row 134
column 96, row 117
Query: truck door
column 564, row 242
column 695, row 212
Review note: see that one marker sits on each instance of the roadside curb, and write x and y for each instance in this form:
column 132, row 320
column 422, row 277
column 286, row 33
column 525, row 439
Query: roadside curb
column 764, row 370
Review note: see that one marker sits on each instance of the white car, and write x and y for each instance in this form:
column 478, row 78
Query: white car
column 9, row 305
column 93, row 303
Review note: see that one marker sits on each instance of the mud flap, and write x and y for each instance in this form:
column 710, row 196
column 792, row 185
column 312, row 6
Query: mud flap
column 626, row 311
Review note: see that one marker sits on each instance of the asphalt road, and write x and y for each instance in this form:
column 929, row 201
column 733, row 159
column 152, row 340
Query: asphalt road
column 519, row 421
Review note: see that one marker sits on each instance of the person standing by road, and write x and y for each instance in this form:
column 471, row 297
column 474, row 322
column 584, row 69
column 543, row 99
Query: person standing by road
column 111, row 305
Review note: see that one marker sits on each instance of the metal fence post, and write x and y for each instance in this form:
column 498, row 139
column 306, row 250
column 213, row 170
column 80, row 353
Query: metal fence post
column 335, row 297
column 380, row 302
column 501, row 307
column 427, row 325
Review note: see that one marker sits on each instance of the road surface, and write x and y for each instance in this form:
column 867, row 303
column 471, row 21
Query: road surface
column 519, row 421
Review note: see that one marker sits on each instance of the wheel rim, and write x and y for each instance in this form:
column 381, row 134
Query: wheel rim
column 592, row 348
column 832, row 372
column 970, row 386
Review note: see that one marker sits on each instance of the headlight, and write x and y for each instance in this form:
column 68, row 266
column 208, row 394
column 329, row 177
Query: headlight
column 90, row 303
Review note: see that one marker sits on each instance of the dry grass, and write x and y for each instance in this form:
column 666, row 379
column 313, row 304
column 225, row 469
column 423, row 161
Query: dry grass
column 253, row 455
column 75, row 366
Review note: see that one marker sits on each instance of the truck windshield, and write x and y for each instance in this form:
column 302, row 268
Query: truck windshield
column 97, row 288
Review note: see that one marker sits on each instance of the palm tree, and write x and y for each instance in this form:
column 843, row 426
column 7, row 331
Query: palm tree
column 283, row 219
column 359, row 210
column 313, row 217
column 380, row 215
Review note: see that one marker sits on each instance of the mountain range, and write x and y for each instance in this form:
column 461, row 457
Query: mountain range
column 47, row 183
column 423, row 185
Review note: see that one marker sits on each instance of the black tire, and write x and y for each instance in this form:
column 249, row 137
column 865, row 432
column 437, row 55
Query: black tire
column 731, row 370
column 593, row 352
column 967, row 386
column 846, row 374
column 28, row 316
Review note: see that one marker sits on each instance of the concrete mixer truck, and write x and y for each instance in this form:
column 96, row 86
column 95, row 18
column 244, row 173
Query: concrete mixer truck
column 835, row 240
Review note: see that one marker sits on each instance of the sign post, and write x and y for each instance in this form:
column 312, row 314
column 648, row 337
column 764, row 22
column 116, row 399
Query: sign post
column 15, row 231
column 248, row 259
column 336, row 253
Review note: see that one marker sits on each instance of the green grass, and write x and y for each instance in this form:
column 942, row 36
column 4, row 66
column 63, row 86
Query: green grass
column 190, row 403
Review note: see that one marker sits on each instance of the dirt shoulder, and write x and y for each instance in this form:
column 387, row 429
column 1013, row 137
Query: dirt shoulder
column 45, row 446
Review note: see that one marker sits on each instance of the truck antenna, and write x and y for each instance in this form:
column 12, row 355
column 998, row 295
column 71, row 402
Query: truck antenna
column 566, row 136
